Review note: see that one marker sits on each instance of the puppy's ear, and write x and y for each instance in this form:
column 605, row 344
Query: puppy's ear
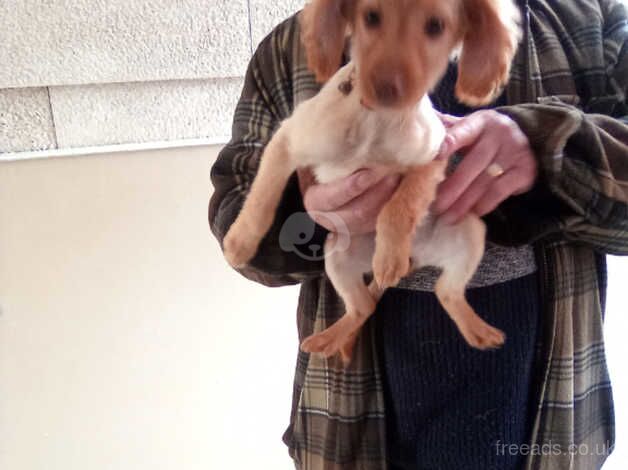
column 489, row 43
column 323, row 32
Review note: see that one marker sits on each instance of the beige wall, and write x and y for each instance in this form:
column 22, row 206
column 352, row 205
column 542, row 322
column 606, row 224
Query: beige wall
column 125, row 341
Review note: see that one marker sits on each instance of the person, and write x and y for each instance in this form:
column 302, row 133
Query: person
column 415, row 395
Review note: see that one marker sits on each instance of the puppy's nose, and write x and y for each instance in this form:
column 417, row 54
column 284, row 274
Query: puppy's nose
column 388, row 91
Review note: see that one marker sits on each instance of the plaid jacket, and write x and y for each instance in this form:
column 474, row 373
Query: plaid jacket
column 569, row 77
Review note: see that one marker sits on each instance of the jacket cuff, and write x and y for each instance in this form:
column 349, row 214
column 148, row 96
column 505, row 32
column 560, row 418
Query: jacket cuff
column 536, row 214
column 292, row 250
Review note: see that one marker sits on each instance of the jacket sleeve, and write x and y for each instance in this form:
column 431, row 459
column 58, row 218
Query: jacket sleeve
column 582, row 188
column 265, row 101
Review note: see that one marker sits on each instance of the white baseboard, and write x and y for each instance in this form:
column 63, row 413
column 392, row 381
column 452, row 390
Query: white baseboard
column 85, row 151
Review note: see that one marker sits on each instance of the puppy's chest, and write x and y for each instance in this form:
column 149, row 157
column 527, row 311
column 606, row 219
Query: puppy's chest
column 337, row 137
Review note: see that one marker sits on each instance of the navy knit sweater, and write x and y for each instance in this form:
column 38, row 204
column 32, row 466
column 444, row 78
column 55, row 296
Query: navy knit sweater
column 449, row 406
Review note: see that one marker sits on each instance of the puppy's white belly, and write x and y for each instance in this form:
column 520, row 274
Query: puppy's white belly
column 435, row 244
column 327, row 173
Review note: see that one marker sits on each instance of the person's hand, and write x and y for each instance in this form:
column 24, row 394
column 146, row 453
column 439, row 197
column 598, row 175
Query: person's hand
column 356, row 199
column 497, row 163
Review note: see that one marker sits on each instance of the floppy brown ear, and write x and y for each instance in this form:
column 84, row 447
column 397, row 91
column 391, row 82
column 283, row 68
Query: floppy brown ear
column 323, row 32
column 489, row 44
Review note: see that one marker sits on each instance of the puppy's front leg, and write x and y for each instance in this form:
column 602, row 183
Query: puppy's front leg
column 398, row 219
column 257, row 214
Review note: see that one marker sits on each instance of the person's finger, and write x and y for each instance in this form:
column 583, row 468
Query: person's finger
column 335, row 194
column 511, row 182
column 487, row 190
column 468, row 199
column 463, row 133
column 442, row 152
column 471, row 166
column 360, row 214
column 529, row 172
column 448, row 120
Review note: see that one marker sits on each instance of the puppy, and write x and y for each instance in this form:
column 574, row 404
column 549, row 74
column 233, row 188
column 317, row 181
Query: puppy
column 375, row 110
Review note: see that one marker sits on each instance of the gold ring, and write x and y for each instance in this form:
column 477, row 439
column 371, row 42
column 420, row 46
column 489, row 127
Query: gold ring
column 494, row 170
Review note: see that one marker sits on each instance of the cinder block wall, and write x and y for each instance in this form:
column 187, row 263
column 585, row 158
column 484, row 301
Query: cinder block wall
column 91, row 73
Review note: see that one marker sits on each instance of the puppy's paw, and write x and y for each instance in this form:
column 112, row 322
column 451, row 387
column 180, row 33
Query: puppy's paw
column 327, row 343
column 346, row 350
column 389, row 266
column 338, row 338
column 483, row 336
column 239, row 247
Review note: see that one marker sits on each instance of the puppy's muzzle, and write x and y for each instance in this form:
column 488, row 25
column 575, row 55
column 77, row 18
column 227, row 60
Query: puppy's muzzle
column 388, row 90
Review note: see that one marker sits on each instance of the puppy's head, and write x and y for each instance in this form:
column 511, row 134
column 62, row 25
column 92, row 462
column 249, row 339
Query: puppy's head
column 401, row 47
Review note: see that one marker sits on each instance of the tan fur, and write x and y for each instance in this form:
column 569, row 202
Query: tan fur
column 489, row 44
column 449, row 288
column 241, row 242
column 398, row 219
column 323, row 28
column 387, row 119
column 487, row 30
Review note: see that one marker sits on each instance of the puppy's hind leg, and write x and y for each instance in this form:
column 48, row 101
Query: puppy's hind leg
column 258, row 212
column 346, row 351
column 346, row 270
column 458, row 268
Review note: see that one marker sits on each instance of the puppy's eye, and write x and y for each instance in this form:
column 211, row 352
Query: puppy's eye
column 434, row 27
column 372, row 19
